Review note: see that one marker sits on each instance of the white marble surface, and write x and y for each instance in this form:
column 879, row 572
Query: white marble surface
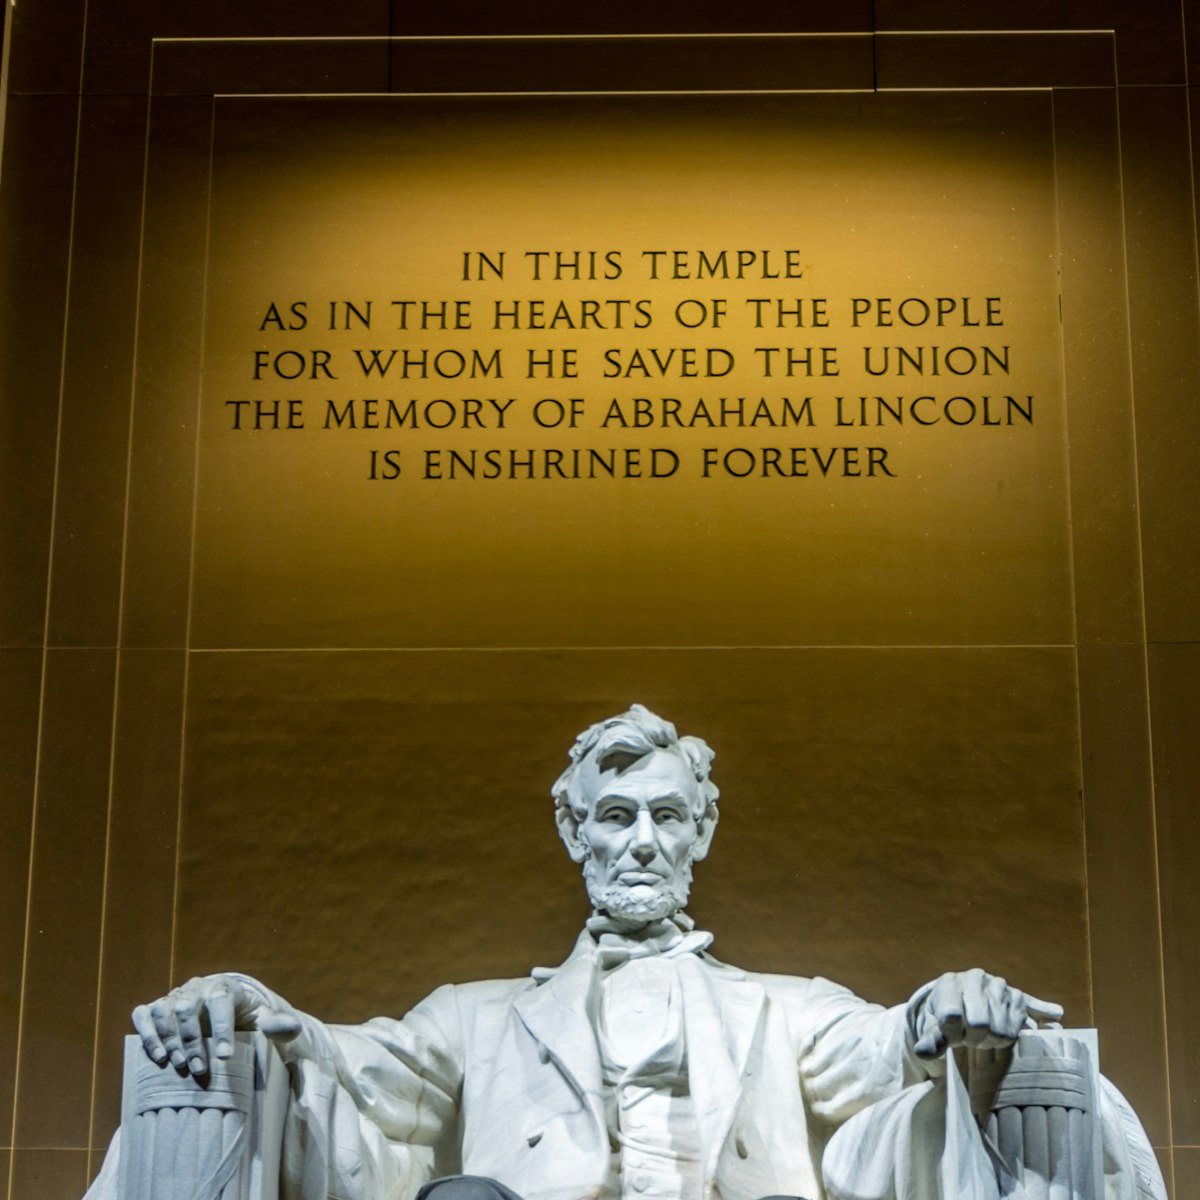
column 642, row 1066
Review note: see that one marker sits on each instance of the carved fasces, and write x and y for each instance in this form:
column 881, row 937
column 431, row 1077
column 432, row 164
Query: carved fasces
column 216, row 1138
column 1038, row 1108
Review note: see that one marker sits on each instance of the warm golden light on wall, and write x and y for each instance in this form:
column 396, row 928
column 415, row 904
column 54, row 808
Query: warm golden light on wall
column 814, row 338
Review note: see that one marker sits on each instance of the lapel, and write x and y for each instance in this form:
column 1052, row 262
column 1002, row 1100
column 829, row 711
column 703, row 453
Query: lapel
column 557, row 1015
column 721, row 1013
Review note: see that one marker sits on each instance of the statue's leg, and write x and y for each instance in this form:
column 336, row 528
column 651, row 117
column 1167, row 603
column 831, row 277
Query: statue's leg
column 477, row 1187
column 466, row 1187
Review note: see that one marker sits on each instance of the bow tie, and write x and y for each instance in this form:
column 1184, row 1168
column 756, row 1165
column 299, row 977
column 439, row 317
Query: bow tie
column 671, row 937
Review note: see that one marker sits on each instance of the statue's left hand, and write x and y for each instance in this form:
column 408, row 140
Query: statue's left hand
column 973, row 1008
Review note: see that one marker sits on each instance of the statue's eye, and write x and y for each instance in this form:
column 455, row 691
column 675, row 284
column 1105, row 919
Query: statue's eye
column 616, row 815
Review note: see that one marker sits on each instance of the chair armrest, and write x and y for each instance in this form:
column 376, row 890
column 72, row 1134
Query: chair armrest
column 220, row 1139
column 1038, row 1107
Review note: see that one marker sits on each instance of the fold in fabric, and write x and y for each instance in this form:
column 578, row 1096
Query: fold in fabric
column 921, row 1144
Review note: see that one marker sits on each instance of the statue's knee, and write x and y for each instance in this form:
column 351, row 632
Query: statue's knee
column 466, row 1187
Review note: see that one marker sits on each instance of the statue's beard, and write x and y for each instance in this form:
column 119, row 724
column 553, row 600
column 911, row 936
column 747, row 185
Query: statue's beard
column 639, row 904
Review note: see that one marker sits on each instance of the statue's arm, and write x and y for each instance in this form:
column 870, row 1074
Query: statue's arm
column 374, row 1107
column 852, row 1053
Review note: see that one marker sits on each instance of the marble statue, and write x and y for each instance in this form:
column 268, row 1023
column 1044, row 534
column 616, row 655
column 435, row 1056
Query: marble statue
column 645, row 1067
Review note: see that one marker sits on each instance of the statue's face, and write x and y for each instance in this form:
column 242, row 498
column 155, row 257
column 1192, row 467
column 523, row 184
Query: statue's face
column 641, row 835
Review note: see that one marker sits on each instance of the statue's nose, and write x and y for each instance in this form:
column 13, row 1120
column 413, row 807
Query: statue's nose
column 645, row 843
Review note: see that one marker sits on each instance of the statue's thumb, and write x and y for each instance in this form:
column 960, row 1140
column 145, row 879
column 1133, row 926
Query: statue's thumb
column 279, row 1026
column 930, row 1042
column 927, row 1046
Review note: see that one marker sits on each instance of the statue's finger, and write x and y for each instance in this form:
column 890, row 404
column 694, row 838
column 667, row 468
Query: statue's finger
column 221, row 1021
column 1008, row 1010
column 1043, row 1010
column 977, row 1010
column 1018, row 1013
column 945, row 1001
column 930, row 1044
column 189, row 1007
column 143, row 1023
column 997, row 987
column 162, row 1013
column 948, row 1010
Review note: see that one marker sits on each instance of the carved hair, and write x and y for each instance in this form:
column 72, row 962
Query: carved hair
column 620, row 741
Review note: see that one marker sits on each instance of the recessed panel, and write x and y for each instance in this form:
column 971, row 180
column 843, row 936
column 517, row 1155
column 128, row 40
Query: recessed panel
column 208, row 66
column 49, row 1174
column 360, row 827
column 663, row 63
column 135, row 960
column 157, row 553
column 1105, row 539
column 1123, row 900
column 121, row 33
column 1161, row 242
column 634, row 370
column 1175, row 704
column 20, row 674
column 1149, row 35
column 970, row 61
column 477, row 17
column 35, row 214
column 61, row 957
column 89, row 514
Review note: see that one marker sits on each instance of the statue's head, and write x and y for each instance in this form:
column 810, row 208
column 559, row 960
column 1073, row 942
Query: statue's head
column 636, row 808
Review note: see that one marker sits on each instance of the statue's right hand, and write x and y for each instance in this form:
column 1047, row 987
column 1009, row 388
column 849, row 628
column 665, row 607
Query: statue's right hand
column 174, row 1027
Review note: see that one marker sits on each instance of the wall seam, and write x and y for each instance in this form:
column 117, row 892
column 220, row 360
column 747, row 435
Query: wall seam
column 41, row 720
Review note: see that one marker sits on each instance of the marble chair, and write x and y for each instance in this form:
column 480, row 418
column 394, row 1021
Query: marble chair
column 1036, row 1107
